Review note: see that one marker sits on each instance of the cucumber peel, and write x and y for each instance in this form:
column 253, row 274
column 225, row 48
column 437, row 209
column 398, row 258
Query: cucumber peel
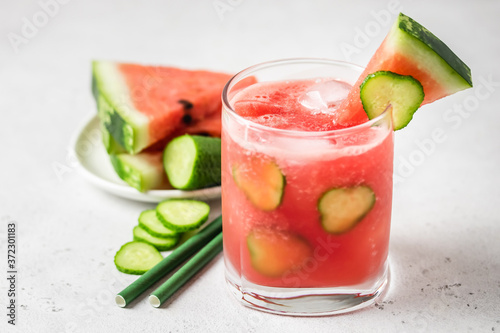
column 341, row 209
column 137, row 258
column 150, row 222
column 182, row 215
column 403, row 93
column 161, row 244
column 193, row 162
column 262, row 182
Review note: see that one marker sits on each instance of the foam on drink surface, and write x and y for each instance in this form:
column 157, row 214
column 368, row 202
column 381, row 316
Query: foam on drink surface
column 302, row 105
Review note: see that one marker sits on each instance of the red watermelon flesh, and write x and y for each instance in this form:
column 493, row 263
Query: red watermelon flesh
column 141, row 105
column 410, row 49
column 166, row 95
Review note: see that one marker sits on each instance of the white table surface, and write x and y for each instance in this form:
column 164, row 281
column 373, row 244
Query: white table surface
column 445, row 246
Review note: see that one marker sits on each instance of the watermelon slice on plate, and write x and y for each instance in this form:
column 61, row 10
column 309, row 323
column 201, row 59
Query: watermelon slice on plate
column 144, row 171
column 141, row 105
column 409, row 49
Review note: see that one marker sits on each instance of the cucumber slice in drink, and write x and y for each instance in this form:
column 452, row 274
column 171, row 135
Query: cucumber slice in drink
column 150, row 222
column 161, row 244
column 274, row 253
column 137, row 258
column 342, row 208
column 402, row 92
column 262, row 182
column 193, row 162
column 182, row 215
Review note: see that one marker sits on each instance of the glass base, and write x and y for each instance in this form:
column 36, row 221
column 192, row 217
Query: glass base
column 307, row 301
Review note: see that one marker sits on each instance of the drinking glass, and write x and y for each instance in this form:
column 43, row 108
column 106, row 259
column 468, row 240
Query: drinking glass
column 286, row 258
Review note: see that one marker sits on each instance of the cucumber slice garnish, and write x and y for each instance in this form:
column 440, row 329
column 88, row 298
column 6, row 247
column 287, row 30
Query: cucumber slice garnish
column 274, row 253
column 262, row 182
column 404, row 93
column 193, row 162
column 342, row 208
column 137, row 258
column 182, row 215
column 150, row 222
column 161, row 244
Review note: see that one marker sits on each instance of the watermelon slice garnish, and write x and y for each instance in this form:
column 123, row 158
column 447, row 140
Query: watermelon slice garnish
column 410, row 49
column 141, row 105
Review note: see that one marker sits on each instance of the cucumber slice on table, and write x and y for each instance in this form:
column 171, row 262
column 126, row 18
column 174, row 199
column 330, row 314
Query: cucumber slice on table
column 342, row 208
column 137, row 258
column 402, row 92
column 193, row 162
column 262, row 182
column 150, row 222
column 161, row 244
column 182, row 215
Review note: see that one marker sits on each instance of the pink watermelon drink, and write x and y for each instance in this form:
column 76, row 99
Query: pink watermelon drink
column 307, row 176
column 306, row 205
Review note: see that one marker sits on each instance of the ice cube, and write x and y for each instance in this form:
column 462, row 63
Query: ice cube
column 313, row 100
column 325, row 96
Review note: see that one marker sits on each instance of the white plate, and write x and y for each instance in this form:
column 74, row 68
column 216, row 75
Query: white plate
column 97, row 169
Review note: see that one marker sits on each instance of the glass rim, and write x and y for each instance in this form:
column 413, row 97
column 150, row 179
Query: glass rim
column 298, row 133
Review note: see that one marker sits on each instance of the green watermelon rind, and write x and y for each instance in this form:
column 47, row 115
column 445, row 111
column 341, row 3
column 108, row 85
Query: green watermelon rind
column 139, row 171
column 415, row 42
column 416, row 30
column 124, row 123
column 110, row 144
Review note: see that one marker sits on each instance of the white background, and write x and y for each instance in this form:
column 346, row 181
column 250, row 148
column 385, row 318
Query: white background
column 445, row 245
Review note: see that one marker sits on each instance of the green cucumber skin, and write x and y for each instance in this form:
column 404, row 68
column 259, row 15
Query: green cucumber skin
column 122, row 131
column 146, row 226
column 161, row 244
column 207, row 165
column 359, row 219
column 416, row 30
column 411, row 109
column 120, row 266
column 180, row 228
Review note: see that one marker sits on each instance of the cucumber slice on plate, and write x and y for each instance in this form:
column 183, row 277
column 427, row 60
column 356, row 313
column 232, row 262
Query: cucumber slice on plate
column 342, row 208
column 137, row 258
column 182, row 215
column 193, row 162
column 150, row 222
column 161, row 244
column 262, row 182
column 404, row 93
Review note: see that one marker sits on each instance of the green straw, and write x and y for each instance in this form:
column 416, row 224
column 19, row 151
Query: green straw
column 169, row 263
column 186, row 272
